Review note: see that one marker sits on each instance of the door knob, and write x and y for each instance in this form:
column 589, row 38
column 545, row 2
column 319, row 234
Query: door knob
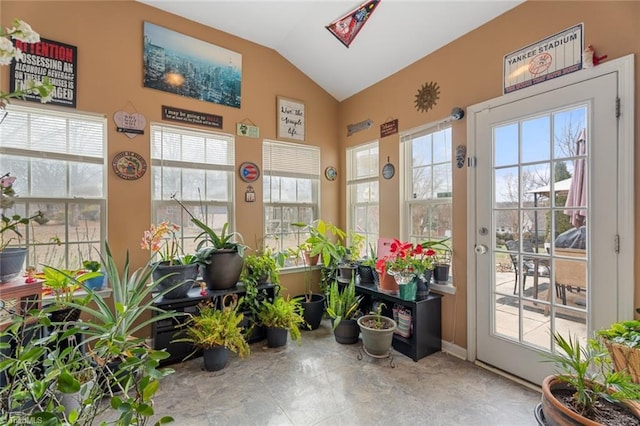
column 481, row 249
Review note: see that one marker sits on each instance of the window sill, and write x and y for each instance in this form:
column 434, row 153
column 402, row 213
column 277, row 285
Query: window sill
column 447, row 288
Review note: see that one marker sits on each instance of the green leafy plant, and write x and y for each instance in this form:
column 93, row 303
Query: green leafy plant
column 283, row 313
column 13, row 222
column 587, row 370
column 377, row 313
column 261, row 266
column 210, row 241
column 625, row 333
column 320, row 242
column 216, row 327
column 38, row 368
column 343, row 304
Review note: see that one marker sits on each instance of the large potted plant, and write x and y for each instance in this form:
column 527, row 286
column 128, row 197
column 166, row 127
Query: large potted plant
column 174, row 266
column 377, row 332
column 217, row 332
column 42, row 368
column 281, row 316
column 12, row 258
column 622, row 340
column 586, row 390
column 220, row 256
column 342, row 307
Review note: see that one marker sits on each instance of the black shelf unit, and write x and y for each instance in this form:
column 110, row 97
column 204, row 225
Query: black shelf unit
column 164, row 331
column 426, row 314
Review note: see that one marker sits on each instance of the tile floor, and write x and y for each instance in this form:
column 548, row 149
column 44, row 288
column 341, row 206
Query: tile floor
column 321, row 382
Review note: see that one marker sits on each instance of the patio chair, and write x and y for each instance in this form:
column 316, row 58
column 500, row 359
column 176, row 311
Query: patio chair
column 570, row 274
column 528, row 263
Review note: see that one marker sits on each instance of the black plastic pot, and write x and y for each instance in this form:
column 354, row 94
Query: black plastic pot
column 313, row 310
column 215, row 358
column 347, row 332
column 276, row 337
column 441, row 273
column 366, row 274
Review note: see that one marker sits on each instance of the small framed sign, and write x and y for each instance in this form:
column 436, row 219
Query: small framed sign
column 291, row 119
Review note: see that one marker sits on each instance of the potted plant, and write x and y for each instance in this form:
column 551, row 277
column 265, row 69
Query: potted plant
column 407, row 263
column 42, row 367
column 174, row 267
column 349, row 253
column 377, row 332
column 12, row 258
column 217, row 332
column 62, row 284
column 622, row 340
column 220, row 256
column 367, row 268
column 342, row 307
column 443, row 257
column 281, row 315
column 110, row 334
column 97, row 282
column 586, row 390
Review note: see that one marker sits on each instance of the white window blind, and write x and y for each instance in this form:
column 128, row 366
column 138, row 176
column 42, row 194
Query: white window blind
column 288, row 159
column 58, row 159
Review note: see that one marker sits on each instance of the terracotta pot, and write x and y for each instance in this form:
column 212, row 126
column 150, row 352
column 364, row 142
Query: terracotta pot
column 556, row 413
column 388, row 284
column 310, row 260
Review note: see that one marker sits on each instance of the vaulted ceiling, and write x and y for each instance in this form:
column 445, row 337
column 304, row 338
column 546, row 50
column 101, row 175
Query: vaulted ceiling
column 397, row 33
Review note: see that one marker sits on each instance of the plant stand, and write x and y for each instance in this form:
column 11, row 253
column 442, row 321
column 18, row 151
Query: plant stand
column 389, row 355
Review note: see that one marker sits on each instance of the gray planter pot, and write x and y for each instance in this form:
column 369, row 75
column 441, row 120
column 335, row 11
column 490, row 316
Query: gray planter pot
column 224, row 270
column 377, row 342
column 185, row 275
column 11, row 261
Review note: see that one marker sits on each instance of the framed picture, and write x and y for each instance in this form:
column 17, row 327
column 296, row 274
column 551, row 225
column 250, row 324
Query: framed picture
column 291, row 118
column 186, row 66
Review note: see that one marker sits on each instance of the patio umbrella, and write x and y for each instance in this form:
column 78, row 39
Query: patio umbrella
column 577, row 196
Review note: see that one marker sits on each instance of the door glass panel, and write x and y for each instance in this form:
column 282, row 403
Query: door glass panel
column 541, row 280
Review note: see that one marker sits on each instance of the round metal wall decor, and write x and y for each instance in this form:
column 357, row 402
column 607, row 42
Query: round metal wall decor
column 427, row 96
column 331, row 173
column 249, row 172
column 129, row 165
column 388, row 171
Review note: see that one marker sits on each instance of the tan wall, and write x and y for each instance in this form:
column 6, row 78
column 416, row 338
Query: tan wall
column 108, row 35
column 469, row 71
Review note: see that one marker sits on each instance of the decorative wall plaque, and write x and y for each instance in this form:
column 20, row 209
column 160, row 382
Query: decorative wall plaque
column 129, row 165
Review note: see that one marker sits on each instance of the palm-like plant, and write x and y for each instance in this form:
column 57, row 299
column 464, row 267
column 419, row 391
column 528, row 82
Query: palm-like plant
column 587, row 370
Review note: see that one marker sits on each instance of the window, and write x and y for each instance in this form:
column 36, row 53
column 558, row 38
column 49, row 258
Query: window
column 58, row 158
column 362, row 193
column 427, row 187
column 291, row 191
column 196, row 167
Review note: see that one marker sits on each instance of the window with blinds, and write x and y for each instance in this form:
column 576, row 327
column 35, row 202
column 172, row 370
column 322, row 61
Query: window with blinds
column 197, row 168
column 427, row 183
column 58, row 159
column 291, row 191
column 362, row 193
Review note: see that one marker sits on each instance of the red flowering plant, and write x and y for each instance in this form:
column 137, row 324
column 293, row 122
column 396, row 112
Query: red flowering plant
column 162, row 239
column 406, row 258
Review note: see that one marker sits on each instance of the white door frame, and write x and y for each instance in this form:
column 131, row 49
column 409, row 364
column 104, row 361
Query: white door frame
column 625, row 68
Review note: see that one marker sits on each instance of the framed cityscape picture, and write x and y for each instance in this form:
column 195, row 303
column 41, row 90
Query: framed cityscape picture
column 291, row 119
column 186, row 66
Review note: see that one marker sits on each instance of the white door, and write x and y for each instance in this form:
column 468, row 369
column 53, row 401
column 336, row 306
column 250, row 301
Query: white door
column 550, row 245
